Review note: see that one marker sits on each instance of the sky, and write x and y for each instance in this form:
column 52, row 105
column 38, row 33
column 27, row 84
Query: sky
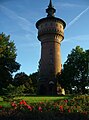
column 18, row 19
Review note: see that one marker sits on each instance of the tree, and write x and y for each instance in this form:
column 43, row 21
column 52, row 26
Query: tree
column 74, row 72
column 8, row 63
column 22, row 79
column 34, row 78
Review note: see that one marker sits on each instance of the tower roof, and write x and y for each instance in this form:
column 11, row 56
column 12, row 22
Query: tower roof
column 50, row 10
column 50, row 16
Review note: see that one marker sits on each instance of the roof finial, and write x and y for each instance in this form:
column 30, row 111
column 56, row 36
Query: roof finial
column 50, row 4
column 50, row 10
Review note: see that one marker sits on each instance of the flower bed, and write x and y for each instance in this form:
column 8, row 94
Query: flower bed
column 68, row 109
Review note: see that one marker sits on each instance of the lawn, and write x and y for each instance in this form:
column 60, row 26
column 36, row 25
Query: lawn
column 41, row 98
column 31, row 99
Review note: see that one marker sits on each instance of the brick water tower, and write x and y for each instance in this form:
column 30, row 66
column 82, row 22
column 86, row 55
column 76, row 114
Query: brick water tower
column 50, row 34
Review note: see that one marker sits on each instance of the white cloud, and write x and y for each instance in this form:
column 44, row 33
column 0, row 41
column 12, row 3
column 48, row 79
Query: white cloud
column 22, row 22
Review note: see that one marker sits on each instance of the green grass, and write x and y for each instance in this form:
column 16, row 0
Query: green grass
column 1, row 99
column 4, row 103
column 32, row 99
column 40, row 99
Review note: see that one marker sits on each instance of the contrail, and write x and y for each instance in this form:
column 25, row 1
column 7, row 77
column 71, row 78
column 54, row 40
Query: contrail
column 76, row 18
column 22, row 22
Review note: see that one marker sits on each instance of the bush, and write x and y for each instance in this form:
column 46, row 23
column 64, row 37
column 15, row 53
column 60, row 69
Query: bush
column 12, row 91
column 76, row 108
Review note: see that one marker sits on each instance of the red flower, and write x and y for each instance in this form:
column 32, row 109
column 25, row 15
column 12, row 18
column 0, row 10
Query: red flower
column 85, row 112
column 0, row 107
column 69, row 110
column 23, row 102
column 61, row 108
column 20, row 102
column 40, row 108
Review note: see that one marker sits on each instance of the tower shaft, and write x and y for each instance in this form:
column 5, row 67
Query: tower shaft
column 50, row 50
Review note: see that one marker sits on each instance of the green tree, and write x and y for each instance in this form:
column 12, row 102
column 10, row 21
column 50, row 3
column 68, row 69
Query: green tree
column 34, row 78
column 8, row 63
column 74, row 71
column 29, row 88
column 22, row 79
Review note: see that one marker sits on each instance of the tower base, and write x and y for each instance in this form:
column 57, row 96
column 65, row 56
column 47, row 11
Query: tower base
column 47, row 87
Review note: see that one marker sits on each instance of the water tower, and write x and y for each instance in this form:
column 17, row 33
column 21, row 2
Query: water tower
column 50, row 34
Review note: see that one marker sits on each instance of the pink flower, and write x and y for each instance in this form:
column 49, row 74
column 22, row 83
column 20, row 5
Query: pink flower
column 13, row 104
column 66, row 101
column 40, row 108
column 29, row 107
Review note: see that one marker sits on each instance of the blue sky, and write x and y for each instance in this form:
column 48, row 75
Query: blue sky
column 18, row 18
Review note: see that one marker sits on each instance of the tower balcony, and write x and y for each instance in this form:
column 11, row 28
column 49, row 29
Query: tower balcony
column 50, row 26
column 50, row 31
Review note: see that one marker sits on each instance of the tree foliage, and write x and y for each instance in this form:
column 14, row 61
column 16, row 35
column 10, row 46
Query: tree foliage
column 34, row 78
column 22, row 79
column 8, row 63
column 75, row 70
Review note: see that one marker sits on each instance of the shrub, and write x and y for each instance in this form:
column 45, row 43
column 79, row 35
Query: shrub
column 68, row 109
